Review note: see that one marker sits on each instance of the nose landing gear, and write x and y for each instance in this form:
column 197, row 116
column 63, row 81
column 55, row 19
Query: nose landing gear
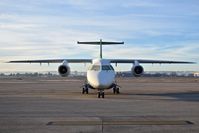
column 100, row 94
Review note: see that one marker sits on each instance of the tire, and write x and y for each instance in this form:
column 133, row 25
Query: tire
column 99, row 95
column 87, row 91
column 102, row 94
column 118, row 90
column 114, row 90
column 83, row 91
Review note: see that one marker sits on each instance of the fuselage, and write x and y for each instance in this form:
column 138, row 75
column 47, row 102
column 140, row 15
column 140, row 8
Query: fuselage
column 100, row 74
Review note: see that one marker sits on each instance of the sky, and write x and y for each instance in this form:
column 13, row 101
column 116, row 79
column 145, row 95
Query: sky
column 50, row 29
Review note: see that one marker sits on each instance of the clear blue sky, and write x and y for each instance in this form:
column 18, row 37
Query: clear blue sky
column 151, row 29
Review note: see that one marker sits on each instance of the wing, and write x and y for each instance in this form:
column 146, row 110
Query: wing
column 90, row 61
column 53, row 61
column 148, row 61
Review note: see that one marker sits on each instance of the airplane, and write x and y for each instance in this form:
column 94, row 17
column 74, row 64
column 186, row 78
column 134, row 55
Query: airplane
column 100, row 74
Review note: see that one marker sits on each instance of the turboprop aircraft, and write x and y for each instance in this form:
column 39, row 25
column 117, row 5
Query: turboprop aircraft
column 100, row 74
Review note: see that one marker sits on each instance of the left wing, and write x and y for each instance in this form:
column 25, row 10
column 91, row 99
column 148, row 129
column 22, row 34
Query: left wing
column 53, row 61
column 148, row 61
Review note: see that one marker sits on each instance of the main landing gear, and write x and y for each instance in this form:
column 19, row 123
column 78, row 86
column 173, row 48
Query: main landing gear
column 85, row 89
column 116, row 89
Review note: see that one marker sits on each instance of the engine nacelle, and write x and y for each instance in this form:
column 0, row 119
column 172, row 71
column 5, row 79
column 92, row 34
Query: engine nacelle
column 137, row 70
column 64, row 69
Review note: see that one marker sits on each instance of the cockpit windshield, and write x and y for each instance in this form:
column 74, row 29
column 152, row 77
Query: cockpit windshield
column 103, row 67
column 95, row 67
column 107, row 67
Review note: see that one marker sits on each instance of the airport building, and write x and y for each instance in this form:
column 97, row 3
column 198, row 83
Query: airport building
column 196, row 74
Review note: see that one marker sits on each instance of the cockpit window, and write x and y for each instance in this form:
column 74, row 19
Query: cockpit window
column 111, row 67
column 107, row 67
column 98, row 67
column 95, row 68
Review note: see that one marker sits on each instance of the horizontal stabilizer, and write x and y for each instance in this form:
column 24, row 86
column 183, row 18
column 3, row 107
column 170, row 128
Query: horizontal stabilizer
column 100, row 43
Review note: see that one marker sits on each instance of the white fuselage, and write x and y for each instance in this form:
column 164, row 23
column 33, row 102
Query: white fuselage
column 101, row 74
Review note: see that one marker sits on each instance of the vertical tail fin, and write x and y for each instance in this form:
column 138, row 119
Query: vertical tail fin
column 100, row 43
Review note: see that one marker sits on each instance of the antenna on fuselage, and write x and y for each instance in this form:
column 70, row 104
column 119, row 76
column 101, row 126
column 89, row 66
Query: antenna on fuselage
column 100, row 43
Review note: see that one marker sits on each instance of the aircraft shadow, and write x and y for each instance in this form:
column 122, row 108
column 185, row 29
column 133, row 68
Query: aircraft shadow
column 182, row 96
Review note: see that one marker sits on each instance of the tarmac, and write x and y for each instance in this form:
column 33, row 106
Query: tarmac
column 56, row 105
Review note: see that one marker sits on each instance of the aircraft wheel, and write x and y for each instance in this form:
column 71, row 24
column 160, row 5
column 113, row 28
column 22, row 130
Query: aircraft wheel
column 114, row 90
column 86, row 90
column 83, row 90
column 102, row 94
column 118, row 90
column 99, row 95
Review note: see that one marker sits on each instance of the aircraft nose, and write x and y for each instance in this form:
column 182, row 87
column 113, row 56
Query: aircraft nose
column 100, row 83
column 101, row 80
